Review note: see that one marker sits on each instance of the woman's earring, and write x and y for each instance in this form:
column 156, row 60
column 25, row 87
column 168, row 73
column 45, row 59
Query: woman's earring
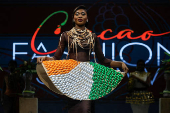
column 87, row 20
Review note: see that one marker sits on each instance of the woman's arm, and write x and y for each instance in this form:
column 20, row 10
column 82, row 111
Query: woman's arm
column 61, row 46
column 119, row 64
column 146, row 82
column 59, row 51
column 105, row 61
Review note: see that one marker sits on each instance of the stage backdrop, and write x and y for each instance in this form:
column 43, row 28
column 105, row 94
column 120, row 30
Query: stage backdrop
column 128, row 31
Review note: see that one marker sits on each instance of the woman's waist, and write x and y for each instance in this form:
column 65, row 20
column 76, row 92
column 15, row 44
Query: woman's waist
column 81, row 56
column 140, row 89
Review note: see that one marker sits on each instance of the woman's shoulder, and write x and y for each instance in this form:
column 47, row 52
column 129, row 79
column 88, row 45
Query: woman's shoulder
column 64, row 34
column 94, row 33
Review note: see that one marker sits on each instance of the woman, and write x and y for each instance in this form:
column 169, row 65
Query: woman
column 12, row 86
column 81, row 42
column 138, row 84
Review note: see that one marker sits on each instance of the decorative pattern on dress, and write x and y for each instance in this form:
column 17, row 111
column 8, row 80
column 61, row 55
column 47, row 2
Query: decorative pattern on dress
column 140, row 97
column 82, row 80
column 83, row 38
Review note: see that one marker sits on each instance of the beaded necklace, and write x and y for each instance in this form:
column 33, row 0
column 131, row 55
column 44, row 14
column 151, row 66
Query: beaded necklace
column 83, row 38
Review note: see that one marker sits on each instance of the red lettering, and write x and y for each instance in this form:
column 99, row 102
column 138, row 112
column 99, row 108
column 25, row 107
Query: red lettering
column 124, row 33
column 127, row 32
column 161, row 34
column 143, row 36
column 103, row 33
column 33, row 46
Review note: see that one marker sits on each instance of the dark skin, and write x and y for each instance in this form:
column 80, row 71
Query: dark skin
column 80, row 18
column 140, row 68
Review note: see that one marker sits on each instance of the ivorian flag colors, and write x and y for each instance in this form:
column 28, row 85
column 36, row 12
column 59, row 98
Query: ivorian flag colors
column 79, row 80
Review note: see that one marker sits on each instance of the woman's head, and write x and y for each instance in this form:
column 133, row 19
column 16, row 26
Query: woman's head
column 12, row 65
column 80, row 17
column 140, row 65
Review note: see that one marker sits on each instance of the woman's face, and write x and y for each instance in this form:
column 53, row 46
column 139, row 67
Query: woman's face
column 11, row 67
column 140, row 66
column 80, row 17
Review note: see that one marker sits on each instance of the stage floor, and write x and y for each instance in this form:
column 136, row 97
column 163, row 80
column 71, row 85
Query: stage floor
column 101, row 106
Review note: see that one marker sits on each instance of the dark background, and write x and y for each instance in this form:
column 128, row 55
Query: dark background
column 20, row 18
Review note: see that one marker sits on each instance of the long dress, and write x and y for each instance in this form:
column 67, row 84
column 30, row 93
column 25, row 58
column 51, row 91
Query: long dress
column 139, row 97
column 81, row 54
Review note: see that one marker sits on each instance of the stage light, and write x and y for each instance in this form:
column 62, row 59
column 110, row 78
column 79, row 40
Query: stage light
column 113, row 51
column 103, row 48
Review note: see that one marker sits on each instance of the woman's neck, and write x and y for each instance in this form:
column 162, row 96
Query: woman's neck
column 80, row 27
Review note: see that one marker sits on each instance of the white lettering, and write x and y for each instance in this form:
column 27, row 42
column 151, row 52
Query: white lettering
column 135, row 43
column 158, row 52
column 18, row 53
column 38, row 48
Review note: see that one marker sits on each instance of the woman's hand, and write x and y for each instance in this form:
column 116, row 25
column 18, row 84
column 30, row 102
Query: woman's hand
column 120, row 65
column 43, row 58
column 124, row 67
